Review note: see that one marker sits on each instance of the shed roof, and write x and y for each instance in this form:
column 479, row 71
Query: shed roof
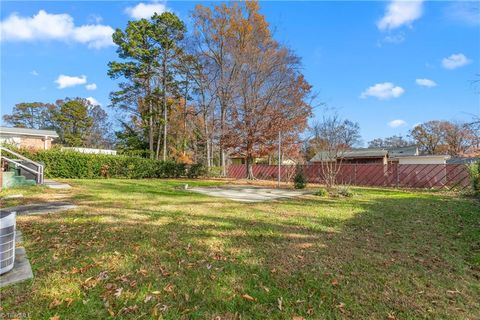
column 403, row 151
column 28, row 132
column 352, row 153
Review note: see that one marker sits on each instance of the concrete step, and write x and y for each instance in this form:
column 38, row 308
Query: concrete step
column 8, row 174
column 11, row 180
column 19, row 179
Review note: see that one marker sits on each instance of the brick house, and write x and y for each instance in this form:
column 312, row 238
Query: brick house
column 370, row 155
column 27, row 138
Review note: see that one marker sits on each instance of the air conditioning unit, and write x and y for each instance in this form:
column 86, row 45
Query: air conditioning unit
column 7, row 240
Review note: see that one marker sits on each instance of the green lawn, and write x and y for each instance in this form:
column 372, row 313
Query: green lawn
column 146, row 249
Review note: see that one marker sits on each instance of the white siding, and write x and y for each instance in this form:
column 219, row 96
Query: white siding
column 423, row 160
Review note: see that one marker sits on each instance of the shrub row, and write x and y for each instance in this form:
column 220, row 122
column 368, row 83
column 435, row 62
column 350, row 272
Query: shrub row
column 474, row 169
column 76, row 165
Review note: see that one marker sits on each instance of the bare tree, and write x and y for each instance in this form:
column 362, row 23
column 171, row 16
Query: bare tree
column 213, row 39
column 429, row 136
column 389, row 142
column 458, row 137
column 270, row 93
column 332, row 137
column 444, row 137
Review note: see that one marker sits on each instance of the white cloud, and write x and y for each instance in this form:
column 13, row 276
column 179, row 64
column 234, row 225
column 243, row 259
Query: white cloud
column 466, row 12
column 394, row 38
column 400, row 13
column 396, row 123
column 145, row 11
column 64, row 81
column 455, row 61
column 383, row 91
column 93, row 101
column 91, row 86
column 34, row 73
column 94, row 35
column 426, row 83
column 61, row 27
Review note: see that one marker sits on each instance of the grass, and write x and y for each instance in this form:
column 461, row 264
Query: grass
column 146, row 249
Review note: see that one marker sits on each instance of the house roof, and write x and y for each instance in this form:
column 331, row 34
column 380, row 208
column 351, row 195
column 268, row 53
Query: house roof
column 434, row 156
column 462, row 160
column 370, row 153
column 403, row 151
column 28, row 132
column 352, row 153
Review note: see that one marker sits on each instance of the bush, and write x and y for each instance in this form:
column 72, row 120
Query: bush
column 75, row 165
column 299, row 181
column 474, row 170
column 322, row 192
column 215, row 172
column 196, row 170
column 342, row 191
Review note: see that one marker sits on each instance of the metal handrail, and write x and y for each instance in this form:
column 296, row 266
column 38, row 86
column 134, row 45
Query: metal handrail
column 20, row 156
column 38, row 173
column 21, row 165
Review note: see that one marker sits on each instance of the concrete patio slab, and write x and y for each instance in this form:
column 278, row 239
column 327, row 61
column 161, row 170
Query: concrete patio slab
column 18, row 236
column 56, row 185
column 249, row 193
column 21, row 271
column 41, row 208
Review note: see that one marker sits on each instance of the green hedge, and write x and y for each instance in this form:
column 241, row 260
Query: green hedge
column 474, row 169
column 76, row 165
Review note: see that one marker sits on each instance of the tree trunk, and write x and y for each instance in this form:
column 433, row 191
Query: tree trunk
column 150, row 129
column 249, row 164
column 184, row 142
column 165, row 117
column 207, row 140
column 222, row 132
column 159, row 139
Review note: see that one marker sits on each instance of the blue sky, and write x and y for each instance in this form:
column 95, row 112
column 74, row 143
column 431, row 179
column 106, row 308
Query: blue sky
column 386, row 64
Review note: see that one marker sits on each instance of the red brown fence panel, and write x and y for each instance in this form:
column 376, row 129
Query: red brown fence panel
column 376, row 175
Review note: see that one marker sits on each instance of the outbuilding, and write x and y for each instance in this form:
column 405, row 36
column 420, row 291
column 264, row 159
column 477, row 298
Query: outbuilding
column 427, row 159
column 28, row 138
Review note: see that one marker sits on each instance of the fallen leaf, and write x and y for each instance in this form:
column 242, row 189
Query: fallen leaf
column 298, row 318
column 453, row 291
column 334, row 282
column 55, row 318
column 154, row 311
column 54, row 303
column 248, row 297
column 164, row 307
column 68, row 301
column 169, row 288
column 156, row 292
column 143, row 272
column 147, row 298
column 118, row 292
column 280, row 303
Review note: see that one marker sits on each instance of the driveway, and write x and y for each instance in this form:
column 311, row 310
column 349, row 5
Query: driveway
column 248, row 193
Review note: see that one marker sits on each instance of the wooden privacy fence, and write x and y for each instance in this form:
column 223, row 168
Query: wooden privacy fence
column 452, row 176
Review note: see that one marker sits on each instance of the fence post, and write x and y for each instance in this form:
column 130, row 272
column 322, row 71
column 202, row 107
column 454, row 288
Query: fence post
column 398, row 178
column 355, row 174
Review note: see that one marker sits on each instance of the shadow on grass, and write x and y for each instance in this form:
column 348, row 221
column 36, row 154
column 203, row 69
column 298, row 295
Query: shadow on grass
column 396, row 254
